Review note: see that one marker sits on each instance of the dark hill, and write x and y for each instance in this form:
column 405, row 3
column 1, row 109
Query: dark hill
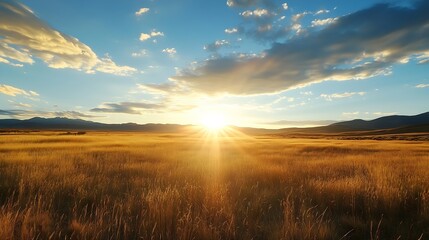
column 405, row 123
column 395, row 121
column 38, row 123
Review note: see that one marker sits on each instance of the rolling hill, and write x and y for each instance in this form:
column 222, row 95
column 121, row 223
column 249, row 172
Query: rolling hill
column 58, row 123
column 384, row 125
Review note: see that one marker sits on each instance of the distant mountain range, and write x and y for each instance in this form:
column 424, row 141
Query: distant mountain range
column 392, row 124
column 384, row 125
column 59, row 123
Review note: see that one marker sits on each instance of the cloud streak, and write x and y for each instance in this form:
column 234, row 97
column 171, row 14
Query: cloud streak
column 141, row 107
column 330, row 97
column 24, row 37
column 128, row 107
column 13, row 91
column 422, row 85
column 322, row 22
column 360, row 45
column 18, row 113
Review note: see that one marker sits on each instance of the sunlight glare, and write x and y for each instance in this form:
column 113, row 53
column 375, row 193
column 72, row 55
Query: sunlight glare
column 213, row 121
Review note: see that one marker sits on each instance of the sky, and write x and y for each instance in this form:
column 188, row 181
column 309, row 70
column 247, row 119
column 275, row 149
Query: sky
column 256, row 63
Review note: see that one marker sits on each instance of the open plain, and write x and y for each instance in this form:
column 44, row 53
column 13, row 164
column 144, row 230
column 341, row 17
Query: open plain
column 226, row 185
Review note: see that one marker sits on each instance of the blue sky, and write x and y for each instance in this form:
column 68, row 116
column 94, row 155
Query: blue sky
column 261, row 63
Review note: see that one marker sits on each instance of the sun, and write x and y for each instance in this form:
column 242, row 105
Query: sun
column 213, row 121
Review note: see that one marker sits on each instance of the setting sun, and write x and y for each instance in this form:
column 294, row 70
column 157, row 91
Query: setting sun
column 213, row 121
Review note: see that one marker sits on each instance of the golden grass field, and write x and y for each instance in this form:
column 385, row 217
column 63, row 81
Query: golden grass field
column 203, row 186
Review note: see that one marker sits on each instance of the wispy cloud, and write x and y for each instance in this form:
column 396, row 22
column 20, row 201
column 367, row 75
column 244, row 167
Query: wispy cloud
column 163, row 89
column 170, row 51
column 351, row 114
column 142, row 11
column 213, row 47
column 128, row 107
column 330, row 97
column 323, row 22
column 20, row 104
column 422, row 85
column 140, row 53
column 352, row 48
column 381, row 114
column 297, row 17
column 107, row 65
column 18, row 113
column 13, row 91
column 321, row 11
column 231, row 30
column 260, row 12
column 25, row 36
column 141, row 107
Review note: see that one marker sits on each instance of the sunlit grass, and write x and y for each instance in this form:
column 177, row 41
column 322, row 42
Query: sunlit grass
column 211, row 186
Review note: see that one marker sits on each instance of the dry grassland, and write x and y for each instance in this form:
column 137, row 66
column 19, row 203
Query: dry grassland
column 158, row 186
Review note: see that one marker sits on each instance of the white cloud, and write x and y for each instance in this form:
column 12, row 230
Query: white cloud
column 323, row 22
column 142, row 11
column 231, row 30
column 154, row 33
column 285, row 6
column 330, row 97
column 144, row 37
column 2, row 60
column 24, row 37
column 106, row 65
column 140, row 53
column 169, row 51
column 13, row 91
column 6, row 51
column 422, row 85
column 256, row 13
column 322, row 11
column 299, row 16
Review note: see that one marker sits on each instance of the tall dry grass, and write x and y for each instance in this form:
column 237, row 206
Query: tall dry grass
column 148, row 186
